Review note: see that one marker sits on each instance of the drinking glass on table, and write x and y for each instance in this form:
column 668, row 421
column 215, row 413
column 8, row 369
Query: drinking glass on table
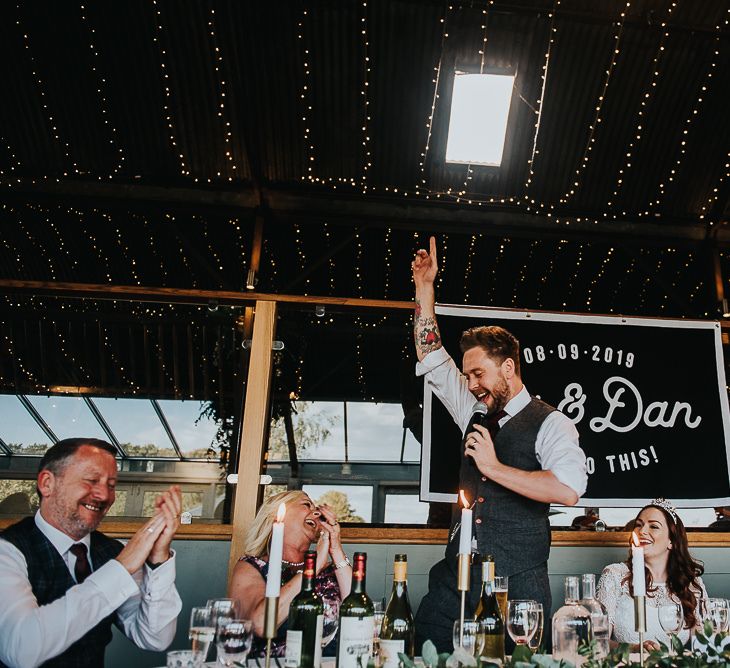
column 223, row 608
column 202, row 630
column 233, row 640
column 330, row 621
column 717, row 613
column 670, row 617
column 501, row 587
column 521, row 620
column 378, row 614
column 466, row 635
column 534, row 642
column 184, row 658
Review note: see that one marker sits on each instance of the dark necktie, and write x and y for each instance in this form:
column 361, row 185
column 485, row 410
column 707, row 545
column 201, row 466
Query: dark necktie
column 493, row 423
column 82, row 568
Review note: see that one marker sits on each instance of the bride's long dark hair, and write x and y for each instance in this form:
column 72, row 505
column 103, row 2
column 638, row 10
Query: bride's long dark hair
column 682, row 569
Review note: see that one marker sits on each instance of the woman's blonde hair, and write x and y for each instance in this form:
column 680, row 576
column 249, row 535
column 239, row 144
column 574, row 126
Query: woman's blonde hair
column 258, row 535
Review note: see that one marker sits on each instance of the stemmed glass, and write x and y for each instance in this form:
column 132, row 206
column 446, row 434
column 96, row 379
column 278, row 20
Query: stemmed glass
column 378, row 614
column 233, row 640
column 521, row 620
column 536, row 639
column 202, row 630
column 670, row 617
column 223, row 608
column 466, row 636
column 331, row 620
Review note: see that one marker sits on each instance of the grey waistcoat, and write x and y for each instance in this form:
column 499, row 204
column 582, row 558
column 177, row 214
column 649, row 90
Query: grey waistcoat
column 513, row 528
column 50, row 579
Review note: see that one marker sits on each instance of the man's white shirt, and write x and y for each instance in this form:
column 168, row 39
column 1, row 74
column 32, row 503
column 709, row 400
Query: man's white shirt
column 146, row 604
column 556, row 447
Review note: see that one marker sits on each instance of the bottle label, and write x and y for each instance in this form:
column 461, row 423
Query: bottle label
column 293, row 655
column 318, row 642
column 389, row 652
column 356, row 642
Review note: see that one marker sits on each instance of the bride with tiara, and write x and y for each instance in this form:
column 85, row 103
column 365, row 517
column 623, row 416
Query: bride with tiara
column 673, row 578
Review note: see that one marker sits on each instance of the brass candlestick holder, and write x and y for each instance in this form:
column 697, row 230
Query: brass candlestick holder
column 463, row 585
column 640, row 623
column 270, row 618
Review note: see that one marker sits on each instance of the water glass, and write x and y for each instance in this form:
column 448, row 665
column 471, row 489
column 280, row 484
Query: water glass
column 466, row 635
column 521, row 620
column 717, row 612
column 233, row 641
column 330, row 621
column 601, row 627
column 202, row 630
column 536, row 640
column 223, row 608
column 184, row 658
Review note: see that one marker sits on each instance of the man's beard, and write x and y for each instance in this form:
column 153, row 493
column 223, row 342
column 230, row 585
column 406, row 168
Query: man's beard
column 500, row 394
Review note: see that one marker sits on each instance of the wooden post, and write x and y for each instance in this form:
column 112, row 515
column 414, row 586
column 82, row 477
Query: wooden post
column 254, row 427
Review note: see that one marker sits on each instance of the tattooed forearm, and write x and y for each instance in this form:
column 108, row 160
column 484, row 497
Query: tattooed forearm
column 425, row 333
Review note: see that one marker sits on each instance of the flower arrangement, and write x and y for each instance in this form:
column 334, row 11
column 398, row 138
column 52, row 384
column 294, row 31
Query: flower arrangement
column 709, row 649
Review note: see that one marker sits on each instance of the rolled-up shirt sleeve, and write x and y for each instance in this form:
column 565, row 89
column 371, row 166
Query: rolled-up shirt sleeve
column 448, row 384
column 558, row 450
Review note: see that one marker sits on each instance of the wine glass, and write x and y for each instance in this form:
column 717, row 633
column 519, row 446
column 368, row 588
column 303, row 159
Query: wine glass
column 536, row 639
column 466, row 634
column 202, row 630
column 521, row 620
column 233, row 641
column 378, row 614
column 670, row 617
column 330, row 621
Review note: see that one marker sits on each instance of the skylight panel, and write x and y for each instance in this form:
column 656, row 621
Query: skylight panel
column 479, row 111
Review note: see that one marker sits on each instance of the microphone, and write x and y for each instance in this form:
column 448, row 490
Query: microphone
column 479, row 416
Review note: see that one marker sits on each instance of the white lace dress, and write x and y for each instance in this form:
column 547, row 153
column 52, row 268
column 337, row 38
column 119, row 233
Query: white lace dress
column 620, row 606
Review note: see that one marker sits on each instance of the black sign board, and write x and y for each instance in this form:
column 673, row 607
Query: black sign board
column 647, row 396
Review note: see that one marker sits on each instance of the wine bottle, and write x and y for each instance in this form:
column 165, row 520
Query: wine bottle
column 398, row 633
column 489, row 616
column 306, row 616
column 357, row 622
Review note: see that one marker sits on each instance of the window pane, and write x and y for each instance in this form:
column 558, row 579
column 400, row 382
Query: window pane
column 68, row 417
column 18, row 497
column 19, row 430
column 479, row 111
column 192, row 502
column 375, row 433
column 194, row 433
column 136, row 426
column 351, row 503
column 318, row 428
column 405, row 509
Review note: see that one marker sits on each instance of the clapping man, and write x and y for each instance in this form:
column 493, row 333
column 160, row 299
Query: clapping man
column 63, row 583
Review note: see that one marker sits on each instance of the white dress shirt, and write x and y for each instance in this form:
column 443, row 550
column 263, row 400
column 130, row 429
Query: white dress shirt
column 556, row 447
column 146, row 604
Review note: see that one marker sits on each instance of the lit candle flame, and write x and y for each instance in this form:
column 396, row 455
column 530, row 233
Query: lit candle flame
column 635, row 539
column 463, row 498
column 281, row 512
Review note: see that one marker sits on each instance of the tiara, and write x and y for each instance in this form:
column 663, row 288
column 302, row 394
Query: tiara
column 666, row 505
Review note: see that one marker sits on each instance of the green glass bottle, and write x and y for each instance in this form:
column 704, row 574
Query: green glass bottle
column 398, row 633
column 306, row 615
column 357, row 621
column 489, row 616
